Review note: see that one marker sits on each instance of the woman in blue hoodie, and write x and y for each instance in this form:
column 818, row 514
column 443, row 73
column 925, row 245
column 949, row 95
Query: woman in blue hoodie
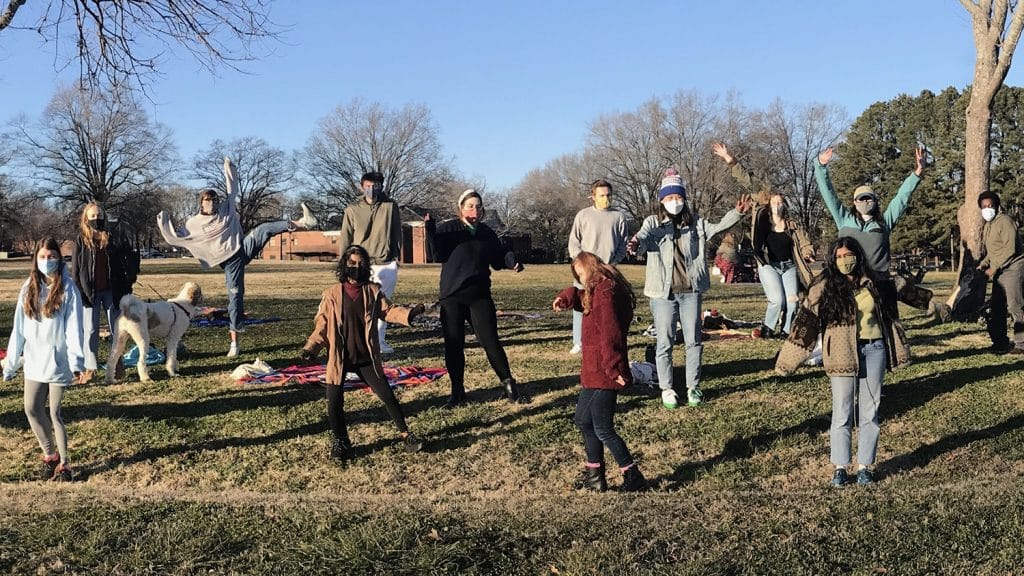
column 48, row 331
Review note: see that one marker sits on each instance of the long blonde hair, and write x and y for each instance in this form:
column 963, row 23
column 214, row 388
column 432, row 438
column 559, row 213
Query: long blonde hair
column 37, row 279
column 94, row 239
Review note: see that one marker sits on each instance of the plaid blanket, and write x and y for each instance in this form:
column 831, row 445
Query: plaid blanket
column 398, row 376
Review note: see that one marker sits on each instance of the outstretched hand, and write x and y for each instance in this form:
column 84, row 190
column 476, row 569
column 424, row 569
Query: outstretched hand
column 920, row 160
column 825, row 156
column 632, row 245
column 719, row 149
column 744, row 203
column 559, row 305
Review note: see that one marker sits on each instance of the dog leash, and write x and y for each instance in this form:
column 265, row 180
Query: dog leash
column 144, row 285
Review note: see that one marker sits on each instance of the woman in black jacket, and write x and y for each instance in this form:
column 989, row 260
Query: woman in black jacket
column 468, row 249
column 104, row 267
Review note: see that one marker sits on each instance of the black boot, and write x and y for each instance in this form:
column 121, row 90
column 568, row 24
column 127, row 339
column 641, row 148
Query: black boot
column 592, row 479
column 633, row 480
column 513, row 393
column 341, row 449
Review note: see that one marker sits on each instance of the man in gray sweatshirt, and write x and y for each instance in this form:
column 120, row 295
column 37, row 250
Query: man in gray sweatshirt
column 602, row 231
column 373, row 222
column 214, row 237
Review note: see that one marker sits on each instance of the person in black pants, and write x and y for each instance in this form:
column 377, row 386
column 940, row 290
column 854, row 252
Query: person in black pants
column 468, row 249
column 346, row 324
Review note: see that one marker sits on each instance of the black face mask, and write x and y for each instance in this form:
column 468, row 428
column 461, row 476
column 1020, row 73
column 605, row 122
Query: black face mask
column 97, row 224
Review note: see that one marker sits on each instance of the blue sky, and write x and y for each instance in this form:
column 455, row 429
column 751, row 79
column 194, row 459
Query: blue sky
column 514, row 84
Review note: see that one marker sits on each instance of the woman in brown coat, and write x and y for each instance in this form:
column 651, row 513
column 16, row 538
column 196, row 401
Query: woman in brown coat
column 345, row 324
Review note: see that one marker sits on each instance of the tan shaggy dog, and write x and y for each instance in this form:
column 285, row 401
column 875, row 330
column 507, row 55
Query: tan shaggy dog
column 144, row 321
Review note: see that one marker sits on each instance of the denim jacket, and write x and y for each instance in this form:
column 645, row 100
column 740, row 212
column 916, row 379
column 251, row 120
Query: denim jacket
column 656, row 238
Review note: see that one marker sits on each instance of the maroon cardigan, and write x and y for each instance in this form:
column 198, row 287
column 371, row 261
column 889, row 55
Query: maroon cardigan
column 605, row 354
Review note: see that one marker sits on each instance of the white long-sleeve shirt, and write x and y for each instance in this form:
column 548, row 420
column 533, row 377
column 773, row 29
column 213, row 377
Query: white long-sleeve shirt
column 211, row 238
column 52, row 346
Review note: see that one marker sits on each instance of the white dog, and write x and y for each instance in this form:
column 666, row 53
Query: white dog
column 164, row 320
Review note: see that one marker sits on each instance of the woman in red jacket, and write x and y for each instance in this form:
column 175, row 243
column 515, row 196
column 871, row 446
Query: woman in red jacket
column 607, row 302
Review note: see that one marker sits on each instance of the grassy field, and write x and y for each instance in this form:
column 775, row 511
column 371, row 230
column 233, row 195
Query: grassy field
column 199, row 474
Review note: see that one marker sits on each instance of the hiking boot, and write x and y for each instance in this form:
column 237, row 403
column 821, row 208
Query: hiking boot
column 999, row 349
column 669, row 399
column 233, row 350
column 633, row 480
column 49, row 466
column 865, row 477
column 694, row 397
column 592, row 478
column 63, row 473
column 341, row 449
column 412, row 443
column 454, row 401
column 840, row 477
column 513, row 393
column 308, row 221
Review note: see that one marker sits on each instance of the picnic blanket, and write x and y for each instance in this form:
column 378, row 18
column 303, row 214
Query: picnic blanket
column 131, row 358
column 218, row 317
column 398, row 376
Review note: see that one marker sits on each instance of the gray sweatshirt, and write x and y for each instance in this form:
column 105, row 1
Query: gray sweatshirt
column 211, row 238
column 601, row 232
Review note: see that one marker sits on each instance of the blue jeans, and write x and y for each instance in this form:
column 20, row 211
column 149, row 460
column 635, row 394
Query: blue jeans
column 101, row 301
column 686, row 308
column 595, row 411
column 780, row 285
column 234, row 267
column 867, row 387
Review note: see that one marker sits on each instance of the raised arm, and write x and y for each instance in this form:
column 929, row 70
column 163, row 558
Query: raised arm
column 840, row 213
column 230, row 183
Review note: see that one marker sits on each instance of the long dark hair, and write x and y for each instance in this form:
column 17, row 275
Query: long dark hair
column 362, row 272
column 598, row 269
column 36, row 280
column 838, row 304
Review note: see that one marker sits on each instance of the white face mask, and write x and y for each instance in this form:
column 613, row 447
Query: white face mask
column 988, row 214
column 673, row 207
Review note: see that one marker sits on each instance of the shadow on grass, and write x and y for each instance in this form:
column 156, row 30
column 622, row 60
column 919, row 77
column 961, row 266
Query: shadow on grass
column 899, row 399
column 920, row 457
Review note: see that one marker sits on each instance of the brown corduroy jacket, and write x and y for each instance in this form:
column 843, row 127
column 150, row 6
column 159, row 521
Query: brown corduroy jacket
column 328, row 328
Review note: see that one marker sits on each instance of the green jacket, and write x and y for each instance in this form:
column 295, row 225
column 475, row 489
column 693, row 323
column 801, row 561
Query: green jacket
column 873, row 236
column 376, row 227
column 1002, row 243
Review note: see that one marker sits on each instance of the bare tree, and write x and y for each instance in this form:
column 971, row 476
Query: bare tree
column 265, row 175
column 997, row 27
column 785, row 140
column 365, row 137
column 108, row 39
column 626, row 150
column 547, row 200
column 93, row 146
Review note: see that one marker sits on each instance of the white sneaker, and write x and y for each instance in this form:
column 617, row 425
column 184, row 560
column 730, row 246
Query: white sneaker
column 669, row 399
column 308, row 221
column 233, row 350
column 386, row 349
column 694, row 397
column 575, row 350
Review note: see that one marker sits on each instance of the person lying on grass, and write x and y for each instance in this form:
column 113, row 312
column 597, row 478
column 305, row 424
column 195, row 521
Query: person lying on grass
column 346, row 325
column 606, row 301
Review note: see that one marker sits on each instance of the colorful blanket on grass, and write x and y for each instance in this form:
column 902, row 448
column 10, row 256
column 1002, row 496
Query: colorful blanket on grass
column 398, row 376
column 218, row 317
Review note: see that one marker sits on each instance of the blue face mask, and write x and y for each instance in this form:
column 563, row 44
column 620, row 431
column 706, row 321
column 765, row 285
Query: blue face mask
column 48, row 267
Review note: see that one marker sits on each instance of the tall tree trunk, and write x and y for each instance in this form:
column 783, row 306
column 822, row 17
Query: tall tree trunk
column 977, row 161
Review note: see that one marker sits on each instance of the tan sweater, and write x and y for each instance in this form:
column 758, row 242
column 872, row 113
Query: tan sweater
column 376, row 227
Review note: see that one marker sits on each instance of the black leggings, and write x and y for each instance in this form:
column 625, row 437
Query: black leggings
column 336, row 400
column 481, row 314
